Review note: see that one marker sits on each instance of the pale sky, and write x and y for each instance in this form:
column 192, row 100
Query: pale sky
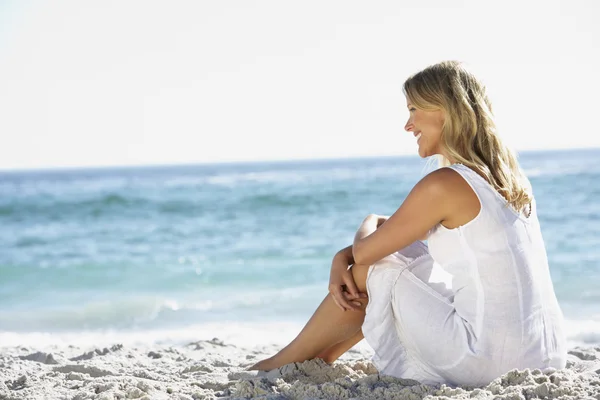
column 97, row 83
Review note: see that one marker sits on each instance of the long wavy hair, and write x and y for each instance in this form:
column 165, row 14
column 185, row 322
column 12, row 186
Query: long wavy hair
column 469, row 134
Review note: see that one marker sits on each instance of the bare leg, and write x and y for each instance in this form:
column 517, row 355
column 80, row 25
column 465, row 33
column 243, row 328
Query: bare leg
column 334, row 352
column 329, row 332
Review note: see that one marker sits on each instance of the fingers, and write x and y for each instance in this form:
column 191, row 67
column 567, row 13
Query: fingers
column 336, row 301
column 344, row 300
column 338, row 297
column 352, row 300
column 351, row 287
column 343, row 289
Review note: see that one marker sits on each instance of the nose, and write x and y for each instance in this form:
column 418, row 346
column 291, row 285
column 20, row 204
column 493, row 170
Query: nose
column 409, row 127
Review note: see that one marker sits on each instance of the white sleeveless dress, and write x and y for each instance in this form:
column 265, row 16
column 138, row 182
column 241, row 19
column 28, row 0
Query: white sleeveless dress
column 499, row 313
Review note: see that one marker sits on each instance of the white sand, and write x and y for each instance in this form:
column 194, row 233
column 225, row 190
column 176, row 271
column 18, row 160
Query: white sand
column 213, row 369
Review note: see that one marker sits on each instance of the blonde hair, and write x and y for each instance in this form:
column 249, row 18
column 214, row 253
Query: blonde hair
column 469, row 134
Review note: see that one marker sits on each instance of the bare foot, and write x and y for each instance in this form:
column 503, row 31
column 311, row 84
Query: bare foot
column 264, row 365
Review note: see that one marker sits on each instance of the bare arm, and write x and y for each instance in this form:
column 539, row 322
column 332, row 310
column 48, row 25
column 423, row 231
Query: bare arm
column 346, row 255
column 383, row 218
column 426, row 205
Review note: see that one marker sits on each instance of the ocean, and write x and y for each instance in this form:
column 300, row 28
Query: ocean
column 237, row 251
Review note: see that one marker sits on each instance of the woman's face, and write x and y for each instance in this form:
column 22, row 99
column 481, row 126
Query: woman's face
column 426, row 126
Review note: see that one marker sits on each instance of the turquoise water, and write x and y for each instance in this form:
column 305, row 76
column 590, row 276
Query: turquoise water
column 156, row 251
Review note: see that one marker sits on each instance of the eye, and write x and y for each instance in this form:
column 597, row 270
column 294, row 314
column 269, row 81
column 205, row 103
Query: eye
column 412, row 109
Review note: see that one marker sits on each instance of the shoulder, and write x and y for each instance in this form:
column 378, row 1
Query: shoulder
column 443, row 180
column 449, row 187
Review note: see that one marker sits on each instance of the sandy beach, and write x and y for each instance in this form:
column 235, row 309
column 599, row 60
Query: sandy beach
column 212, row 369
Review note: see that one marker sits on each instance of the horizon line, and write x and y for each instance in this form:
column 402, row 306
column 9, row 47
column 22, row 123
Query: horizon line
column 254, row 162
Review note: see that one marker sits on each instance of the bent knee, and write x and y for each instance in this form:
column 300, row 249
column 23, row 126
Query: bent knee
column 359, row 273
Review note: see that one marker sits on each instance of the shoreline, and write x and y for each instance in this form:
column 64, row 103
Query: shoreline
column 213, row 369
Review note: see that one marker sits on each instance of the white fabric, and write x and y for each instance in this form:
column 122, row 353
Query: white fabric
column 499, row 313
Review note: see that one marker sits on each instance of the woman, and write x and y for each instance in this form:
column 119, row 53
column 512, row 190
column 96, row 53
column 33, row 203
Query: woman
column 479, row 216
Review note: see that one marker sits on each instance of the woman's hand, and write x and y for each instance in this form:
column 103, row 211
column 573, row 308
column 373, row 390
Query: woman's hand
column 341, row 282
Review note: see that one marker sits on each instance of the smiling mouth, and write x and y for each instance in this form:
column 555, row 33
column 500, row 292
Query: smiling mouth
column 418, row 136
